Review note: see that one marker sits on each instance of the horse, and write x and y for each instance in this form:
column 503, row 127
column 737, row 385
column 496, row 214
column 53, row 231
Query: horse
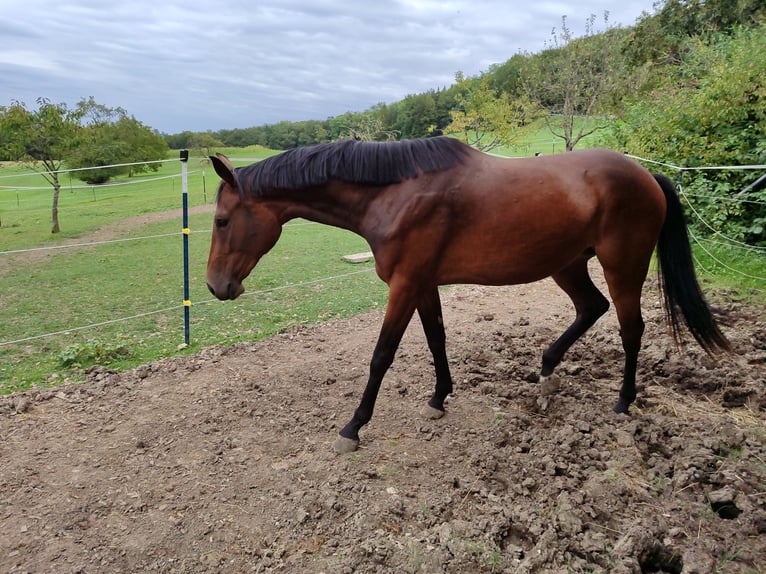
column 435, row 211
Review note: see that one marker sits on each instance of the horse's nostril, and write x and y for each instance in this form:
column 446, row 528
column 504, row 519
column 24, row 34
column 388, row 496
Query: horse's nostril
column 226, row 292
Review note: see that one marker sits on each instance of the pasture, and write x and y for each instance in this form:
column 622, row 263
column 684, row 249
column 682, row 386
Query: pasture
column 217, row 458
column 125, row 274
column 133, row 270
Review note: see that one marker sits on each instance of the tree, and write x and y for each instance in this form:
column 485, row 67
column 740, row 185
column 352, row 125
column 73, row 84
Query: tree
column 108, row 137
column 507, row 77
column 573, row 80
column 486, row 119
column 349, row 125
column 712, row 112
column 91, row 134
column 144, row 148
column 45, row 136
column 180, row 140
column 664, row 37
column 367, row 126
column 203, row 144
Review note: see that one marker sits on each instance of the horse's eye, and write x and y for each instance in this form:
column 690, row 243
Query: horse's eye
column 221, row 222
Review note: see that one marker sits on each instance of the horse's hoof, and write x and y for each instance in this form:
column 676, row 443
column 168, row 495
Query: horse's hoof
column 343, row 445
column 621, row 408
column 549, row 385
column 431, row 413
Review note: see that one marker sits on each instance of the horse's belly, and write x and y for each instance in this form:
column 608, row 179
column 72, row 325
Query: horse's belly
column 502, row 263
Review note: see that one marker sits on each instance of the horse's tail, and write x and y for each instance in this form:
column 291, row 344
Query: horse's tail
column 683, row 297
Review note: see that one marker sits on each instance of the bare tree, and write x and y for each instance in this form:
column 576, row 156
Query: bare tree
column 573, row 79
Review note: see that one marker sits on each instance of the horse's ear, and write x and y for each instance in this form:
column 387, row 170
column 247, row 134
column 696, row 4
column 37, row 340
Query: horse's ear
column 224, row 169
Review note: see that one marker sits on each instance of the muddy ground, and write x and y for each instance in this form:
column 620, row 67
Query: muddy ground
column 221, row 461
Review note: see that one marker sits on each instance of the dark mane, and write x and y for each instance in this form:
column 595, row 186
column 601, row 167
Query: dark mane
column 350, row 161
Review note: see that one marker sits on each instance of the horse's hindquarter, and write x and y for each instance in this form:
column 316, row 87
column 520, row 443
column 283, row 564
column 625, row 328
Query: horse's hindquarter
column 517, row 221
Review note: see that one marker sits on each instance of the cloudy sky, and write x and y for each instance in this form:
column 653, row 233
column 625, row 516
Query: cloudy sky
column 218, row 64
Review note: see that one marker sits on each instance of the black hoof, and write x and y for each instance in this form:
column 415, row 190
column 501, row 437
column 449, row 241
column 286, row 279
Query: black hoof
column 350, row 432
column 621, row 408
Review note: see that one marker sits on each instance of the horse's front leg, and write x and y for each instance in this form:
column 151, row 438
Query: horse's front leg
column 430, row 312
column 401, row 307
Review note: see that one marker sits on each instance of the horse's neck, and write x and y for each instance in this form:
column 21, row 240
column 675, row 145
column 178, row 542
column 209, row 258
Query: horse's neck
column 341, row 206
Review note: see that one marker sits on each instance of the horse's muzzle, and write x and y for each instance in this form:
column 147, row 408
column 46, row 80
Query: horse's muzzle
column 229, row 290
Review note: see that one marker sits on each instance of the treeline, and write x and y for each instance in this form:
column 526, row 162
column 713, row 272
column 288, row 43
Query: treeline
column 685, row 86
column 419, row 115
column 639, row 55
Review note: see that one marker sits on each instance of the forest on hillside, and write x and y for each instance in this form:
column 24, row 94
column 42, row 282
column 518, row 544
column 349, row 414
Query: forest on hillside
column 685, row 86
column 658, row 52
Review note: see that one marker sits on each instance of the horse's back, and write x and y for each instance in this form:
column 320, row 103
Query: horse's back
column 581, row 188
column 519, row 220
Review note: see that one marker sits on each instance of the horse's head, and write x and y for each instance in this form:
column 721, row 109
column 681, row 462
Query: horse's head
column 244, row 229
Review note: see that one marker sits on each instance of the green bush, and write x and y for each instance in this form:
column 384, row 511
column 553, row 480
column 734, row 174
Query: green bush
column 92, row 352
column 711, row 112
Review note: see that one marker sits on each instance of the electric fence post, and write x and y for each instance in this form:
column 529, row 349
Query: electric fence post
column 184, row 156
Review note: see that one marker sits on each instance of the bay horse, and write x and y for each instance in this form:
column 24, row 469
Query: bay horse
column 435, row 211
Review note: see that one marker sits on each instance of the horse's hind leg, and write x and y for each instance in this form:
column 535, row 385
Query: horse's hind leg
column 430, row 312
column 626, row 295
column 589, row 303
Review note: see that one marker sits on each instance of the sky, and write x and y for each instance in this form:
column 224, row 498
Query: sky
column 223, row 64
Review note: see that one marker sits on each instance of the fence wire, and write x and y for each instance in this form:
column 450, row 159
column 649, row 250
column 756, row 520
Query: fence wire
column 727, row 241
column 699, row 241
column 180, row 307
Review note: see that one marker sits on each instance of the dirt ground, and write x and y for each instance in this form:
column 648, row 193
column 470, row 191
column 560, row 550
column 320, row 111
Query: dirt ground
column 221, row 461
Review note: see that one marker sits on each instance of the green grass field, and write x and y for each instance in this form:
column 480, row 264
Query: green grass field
column 120, row 303
column 25, row 198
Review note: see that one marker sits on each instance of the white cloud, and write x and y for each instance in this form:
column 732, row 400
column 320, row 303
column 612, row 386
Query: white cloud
column 209, row 65
column 27, row 59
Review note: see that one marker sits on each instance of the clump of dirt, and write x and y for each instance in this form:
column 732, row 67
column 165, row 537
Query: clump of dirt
column 221, row 461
